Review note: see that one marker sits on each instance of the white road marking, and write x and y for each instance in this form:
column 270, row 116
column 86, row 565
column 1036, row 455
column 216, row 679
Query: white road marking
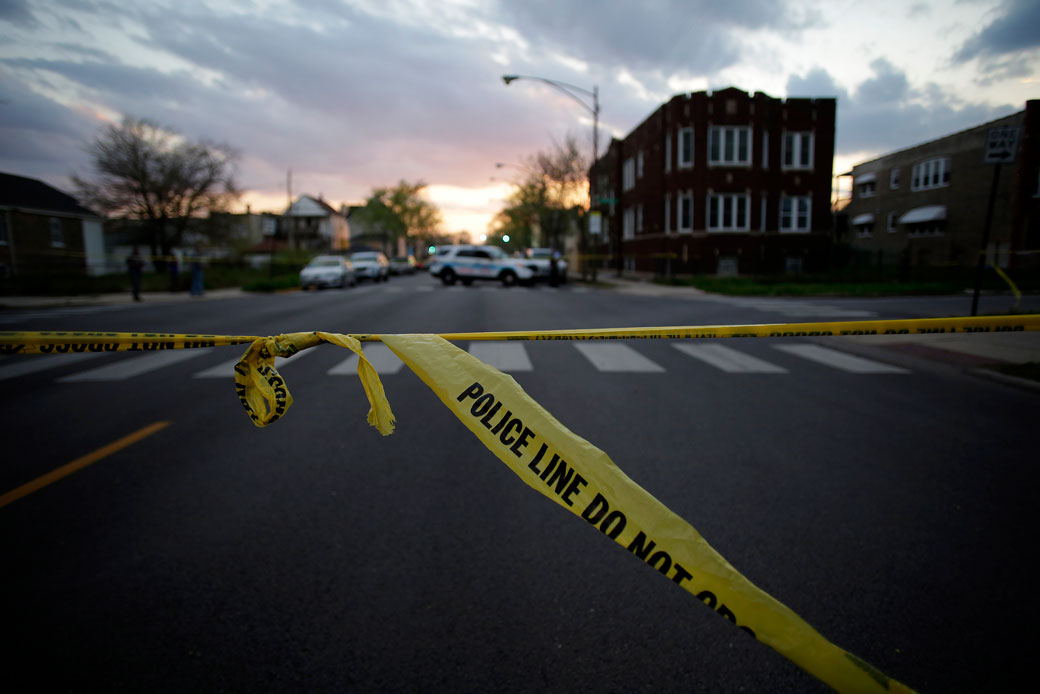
column 728, row 359
column 379, row 356
column 226, row 369
column 616, row 358
column 135, row 365
column 504, row 356
column 20, row 365
column 840, row 360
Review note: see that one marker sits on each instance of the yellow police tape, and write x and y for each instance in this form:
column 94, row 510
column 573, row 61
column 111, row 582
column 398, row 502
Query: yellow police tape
column 552, row 459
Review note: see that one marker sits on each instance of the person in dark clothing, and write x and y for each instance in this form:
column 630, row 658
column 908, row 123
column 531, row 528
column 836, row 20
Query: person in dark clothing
column 135, row 266
column 197, row 284
column 174, row 268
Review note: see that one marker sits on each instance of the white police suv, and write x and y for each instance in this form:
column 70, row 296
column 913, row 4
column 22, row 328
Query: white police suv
column 467, row 263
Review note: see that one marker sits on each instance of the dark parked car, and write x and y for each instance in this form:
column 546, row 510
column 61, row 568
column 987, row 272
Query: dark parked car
column 402, row 265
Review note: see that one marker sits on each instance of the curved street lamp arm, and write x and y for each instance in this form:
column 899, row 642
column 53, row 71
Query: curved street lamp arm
column 567, row 89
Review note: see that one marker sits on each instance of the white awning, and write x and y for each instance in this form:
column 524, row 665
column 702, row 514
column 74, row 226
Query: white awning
column 928, row 213
column 866, row 178
column 862, row 219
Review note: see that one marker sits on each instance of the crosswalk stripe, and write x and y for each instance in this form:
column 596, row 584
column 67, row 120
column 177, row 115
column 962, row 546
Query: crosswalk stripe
column 226, row 369
column 840, row 360
column 729, row 360
column 135, row 365
column 616, row 358
column 504, row 356
column 19, row 366
column 379, row 356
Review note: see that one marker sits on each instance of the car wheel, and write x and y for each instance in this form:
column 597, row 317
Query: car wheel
column 508, row 278
column 448, row 277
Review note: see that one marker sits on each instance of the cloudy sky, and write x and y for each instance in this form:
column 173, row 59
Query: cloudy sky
column 354, row 94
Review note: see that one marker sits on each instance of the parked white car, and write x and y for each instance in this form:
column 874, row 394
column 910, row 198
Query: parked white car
column 468, row 263
column 540, row 261
column 371, row 265
column 328, row 271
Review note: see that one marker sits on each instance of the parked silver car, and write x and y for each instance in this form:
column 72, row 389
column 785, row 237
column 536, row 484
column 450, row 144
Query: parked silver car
column 371, row 265
column 328, row 271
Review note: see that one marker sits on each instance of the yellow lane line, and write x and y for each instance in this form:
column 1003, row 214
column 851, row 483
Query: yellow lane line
column 80, row 463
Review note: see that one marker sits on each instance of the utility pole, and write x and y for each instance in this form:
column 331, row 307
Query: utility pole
column 1001, row 147
column 288, row 217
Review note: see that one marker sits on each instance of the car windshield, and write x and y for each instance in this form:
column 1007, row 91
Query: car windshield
column 325, row 262
column 364, row 256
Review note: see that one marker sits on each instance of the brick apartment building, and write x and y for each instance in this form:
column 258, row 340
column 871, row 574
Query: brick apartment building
column 720, row 182
column 926, row 206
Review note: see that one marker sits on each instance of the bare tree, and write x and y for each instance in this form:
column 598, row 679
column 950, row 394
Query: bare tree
column 144, row 171
column 547, row 201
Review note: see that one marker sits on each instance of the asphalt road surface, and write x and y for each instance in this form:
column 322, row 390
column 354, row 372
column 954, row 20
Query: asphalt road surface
column 884, row 498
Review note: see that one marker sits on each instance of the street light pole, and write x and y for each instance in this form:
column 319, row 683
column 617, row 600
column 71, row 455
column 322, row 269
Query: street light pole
column 569, row 90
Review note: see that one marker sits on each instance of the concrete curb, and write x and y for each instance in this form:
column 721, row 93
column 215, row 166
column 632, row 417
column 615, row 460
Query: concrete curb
column 38, row 302
column 1005, row 378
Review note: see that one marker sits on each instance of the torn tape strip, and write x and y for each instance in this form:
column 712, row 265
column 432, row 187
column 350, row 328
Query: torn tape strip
column 265, row 395
column 584, row 480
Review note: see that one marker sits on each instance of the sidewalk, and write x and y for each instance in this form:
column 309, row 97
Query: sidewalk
column 31, row 302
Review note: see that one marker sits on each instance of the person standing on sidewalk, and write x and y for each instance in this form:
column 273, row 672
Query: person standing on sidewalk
column 197, row 286
column 135, row 266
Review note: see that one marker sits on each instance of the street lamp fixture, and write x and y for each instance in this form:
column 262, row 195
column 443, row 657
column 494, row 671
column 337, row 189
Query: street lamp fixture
column 569, row 90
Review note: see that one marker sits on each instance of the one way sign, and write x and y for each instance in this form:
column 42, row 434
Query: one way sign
column 1001, row 144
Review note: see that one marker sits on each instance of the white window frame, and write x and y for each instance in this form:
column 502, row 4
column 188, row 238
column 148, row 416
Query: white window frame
column 893, row 222
column 57, row 235
column 628, row 224
column 930, row 173
column 720, row 204
column 667, row 152
column 686, row 197
column 684, row 133
column 639, row 164
column 893, row 178
column 800, row 146
column 668, row 213
column 765, row 150
column 628, row 174
column 724, row 135
column 639, row 218
column 798, row 204
column 868, row 189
